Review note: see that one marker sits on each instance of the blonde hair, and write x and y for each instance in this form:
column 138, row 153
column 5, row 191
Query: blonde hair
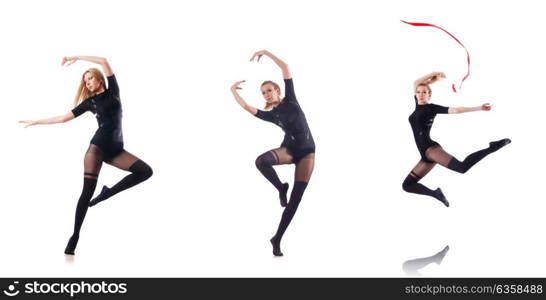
column 276, row 86
column 83, row 93
column 425, row 85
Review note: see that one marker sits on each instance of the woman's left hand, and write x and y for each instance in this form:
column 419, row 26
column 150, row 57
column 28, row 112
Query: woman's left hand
column 68, row 60
column 486, row 106
column 259, row 54
column 28, row 122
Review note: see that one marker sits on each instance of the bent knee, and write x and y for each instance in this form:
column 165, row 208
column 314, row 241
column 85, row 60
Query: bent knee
column 259, row 162
column 408, row 182
column 142, row 170
column 462, row 170
column 405, row 185
column 147, row 172
column 262, row 162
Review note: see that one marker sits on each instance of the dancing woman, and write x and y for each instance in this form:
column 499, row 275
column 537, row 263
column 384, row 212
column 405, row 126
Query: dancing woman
column 431, row 152
column 106, row 145
column 297, row 147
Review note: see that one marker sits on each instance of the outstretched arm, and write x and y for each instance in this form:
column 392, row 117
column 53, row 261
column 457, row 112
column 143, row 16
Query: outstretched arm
column 429, row 79
column 459, row 110
column 68, row 60
column 59, row 119
column 240, row 99
column 284, row 67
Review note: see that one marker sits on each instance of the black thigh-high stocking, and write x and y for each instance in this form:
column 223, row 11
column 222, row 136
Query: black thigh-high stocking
column 92, row 165
column 265, row 163
column 439, row 155
column 140, row 171
column 304, row 170
column 411, row 184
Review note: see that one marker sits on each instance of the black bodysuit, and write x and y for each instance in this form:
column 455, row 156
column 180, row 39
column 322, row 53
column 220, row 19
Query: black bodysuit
column 289, row 116
column 107, row 109
column 421, row 122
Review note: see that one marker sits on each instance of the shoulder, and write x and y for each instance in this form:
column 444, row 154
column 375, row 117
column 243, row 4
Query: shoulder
column 432, row 105
column 438, row 108
column 87, row 100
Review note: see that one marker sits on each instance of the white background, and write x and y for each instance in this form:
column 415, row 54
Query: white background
column 207, row 211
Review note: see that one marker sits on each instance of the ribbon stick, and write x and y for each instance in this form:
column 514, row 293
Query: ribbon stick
column 457, row 40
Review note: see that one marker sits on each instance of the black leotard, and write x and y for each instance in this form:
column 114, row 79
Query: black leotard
column 107, row 108
column 421, row 122
column 289, row 116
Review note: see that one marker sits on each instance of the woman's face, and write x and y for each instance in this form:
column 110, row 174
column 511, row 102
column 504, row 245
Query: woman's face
column 92, row 83
column 423, row 94
column 270, row 93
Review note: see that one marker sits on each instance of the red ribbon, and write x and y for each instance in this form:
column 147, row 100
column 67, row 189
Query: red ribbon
column 457, row 40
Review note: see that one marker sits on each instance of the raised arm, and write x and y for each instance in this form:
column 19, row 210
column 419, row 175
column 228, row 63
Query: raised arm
column 429, row 79
column 240, row 99
column 68, row 60
column 54, row 120
column 284, row 67
column 460, row 110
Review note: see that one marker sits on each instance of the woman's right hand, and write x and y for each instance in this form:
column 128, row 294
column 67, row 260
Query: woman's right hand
column 440, row 74
column 236, row 86
column 28, row 122
column 486, row 106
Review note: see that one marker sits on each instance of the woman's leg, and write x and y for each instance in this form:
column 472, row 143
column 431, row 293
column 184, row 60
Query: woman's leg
column 411, row 184
column 92, row 165
column 304, row 170
column 265, row 163
column 437, row 154
column 412, row 267
column 140, row 171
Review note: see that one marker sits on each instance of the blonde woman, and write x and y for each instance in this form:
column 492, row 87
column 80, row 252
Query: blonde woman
column 106, row 145
column 298, row 146
column 421, row 121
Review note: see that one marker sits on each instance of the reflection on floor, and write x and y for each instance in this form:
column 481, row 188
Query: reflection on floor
column 412, row 267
